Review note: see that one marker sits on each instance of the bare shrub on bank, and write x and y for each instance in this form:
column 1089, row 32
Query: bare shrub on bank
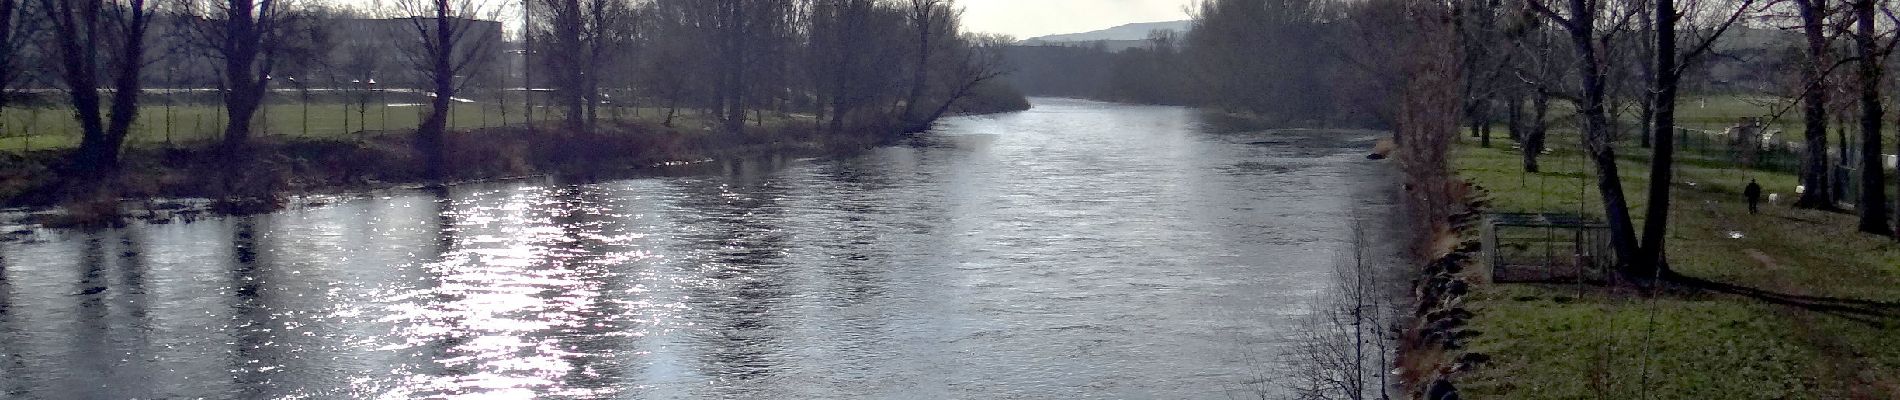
column 1341, row 350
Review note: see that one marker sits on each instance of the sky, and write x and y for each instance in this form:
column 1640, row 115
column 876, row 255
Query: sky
column 1030, row 18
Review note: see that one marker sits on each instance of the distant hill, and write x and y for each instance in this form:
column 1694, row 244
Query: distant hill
column 1137, row 31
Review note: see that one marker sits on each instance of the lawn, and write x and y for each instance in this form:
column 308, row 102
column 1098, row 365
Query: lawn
column 1825, row 322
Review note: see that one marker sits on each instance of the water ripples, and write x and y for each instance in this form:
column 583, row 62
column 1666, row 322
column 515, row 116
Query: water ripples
column 1080, row 250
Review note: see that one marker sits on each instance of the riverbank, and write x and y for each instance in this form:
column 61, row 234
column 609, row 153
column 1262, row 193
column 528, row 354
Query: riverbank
column 282, row 166
column 1785, row 304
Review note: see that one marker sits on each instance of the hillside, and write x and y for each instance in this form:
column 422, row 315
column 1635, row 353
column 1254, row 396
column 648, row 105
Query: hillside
column 1136, row 31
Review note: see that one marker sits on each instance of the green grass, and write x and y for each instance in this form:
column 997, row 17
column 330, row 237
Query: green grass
column 1721, row 112
column 1718, row 112
column 1559, row 342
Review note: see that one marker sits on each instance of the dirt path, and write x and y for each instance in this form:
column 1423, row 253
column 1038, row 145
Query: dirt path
column 1838, row 363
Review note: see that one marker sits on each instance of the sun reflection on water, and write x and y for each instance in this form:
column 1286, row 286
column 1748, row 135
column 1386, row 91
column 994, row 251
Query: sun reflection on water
column 1006, row 260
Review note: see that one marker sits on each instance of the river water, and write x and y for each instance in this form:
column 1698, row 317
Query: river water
column 1077, row 250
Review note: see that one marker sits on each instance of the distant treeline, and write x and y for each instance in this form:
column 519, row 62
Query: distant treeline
column 1284, row 61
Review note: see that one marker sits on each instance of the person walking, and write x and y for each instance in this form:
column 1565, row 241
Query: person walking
column 1753, row 193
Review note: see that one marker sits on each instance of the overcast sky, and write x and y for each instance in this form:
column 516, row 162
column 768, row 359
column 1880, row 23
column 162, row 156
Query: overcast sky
column 1030, row 18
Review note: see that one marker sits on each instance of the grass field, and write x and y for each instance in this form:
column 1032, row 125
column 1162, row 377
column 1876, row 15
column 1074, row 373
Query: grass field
column 52, row 128
column 1822, row 320
column 1722, row 111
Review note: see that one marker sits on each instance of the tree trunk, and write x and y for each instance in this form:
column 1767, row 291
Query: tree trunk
column 1648, row 109
column 127, row 84
column 1484, row 124
column 1597, row 140
column 672, row 109
column 1647, row 104
column 1514, row 117
column 1873, row 194
column 1534, row 136
column 736, row 37
column 1819, row 191
column 1663, row 160
column 244, row 87
column 430, row 136
column 240, row 105
column 922, row 11
column 75, row 33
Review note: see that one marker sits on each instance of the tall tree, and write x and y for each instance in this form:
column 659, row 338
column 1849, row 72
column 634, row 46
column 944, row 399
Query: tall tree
column 1582, row 20
column 247, row 38
column 1873, row 193
column 674, row 61
column 1819, row 193
column 972, row 65
column 1543, row 65
column 18, row 26
column 91, row 37
column 1484, row 63
column 1670, row 65
column 580, row 36
column 455, row 39
column 1592, row 27
column 923, row 13
column 847, row 48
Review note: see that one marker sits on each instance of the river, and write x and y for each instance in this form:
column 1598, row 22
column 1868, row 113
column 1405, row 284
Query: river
column 1076, row 250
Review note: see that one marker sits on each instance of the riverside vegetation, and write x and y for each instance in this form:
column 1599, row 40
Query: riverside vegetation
column 730, row 75
column 366, row 156
column 1791, row 303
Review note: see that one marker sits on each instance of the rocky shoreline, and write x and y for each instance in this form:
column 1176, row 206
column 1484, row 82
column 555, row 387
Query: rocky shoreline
column 1431, row 352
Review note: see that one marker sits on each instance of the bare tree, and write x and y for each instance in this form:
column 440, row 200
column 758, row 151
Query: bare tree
column 976, row 63
column 579, row 35
column 1538, row 69
column 456, row 42
column 18, row 26
column 1340, row 352
column 1592, row 26
column 91, row 37
column 673, row 60
column 923, row 13
column 1873, row 193
column 249, row 39
column 1819, row 193
column 848, row 41
column 1671, row 64
column 1485, row 61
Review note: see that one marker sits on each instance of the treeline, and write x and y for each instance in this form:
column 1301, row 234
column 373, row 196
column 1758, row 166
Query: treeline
column 856, row 65
column 1153, row 73
column 1290, row 62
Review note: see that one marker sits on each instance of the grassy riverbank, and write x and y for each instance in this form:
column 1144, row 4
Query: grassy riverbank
column 339, row 146
column 285, row 165
column 1801, row 305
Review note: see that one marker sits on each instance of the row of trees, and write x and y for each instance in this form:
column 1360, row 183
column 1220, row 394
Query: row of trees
column 1294, row 62
column 857, row 64
column 1606, row 58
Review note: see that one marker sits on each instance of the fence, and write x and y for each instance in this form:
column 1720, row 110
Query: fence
column 1768, row 152
column 1521, row 247
column 40, row 121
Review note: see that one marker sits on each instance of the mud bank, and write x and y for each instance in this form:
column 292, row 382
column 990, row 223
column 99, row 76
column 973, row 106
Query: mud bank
column 1431, row 352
